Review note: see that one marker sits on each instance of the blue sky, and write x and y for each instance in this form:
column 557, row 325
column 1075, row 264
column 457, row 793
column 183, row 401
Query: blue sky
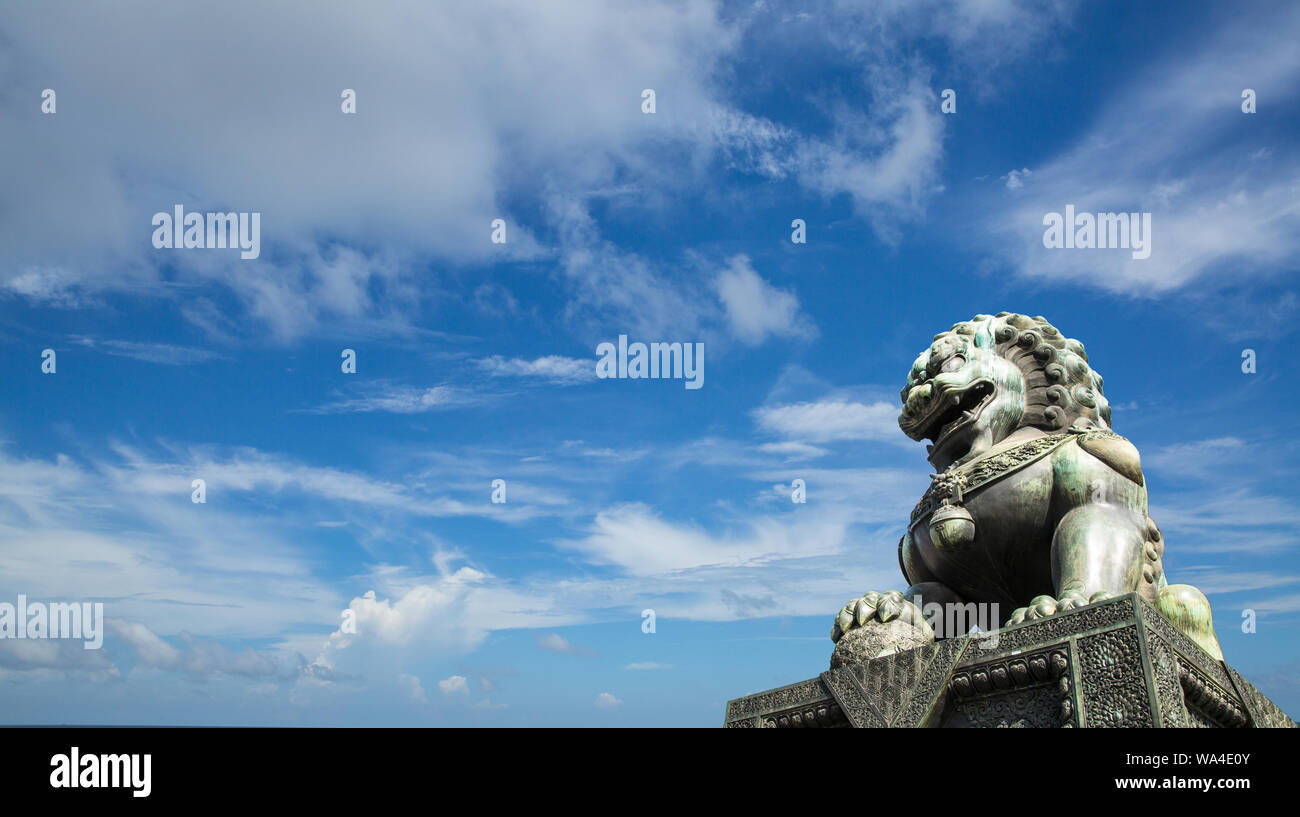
column 475, row 361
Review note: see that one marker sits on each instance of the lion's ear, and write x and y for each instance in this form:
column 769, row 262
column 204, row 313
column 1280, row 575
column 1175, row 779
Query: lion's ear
column 1120, row 454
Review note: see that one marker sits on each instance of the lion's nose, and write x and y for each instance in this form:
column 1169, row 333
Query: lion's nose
column 916, row 399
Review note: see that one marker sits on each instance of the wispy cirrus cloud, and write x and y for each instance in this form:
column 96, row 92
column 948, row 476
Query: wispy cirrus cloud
column 1177, row 145
column 164, row 353
column 397, row 399
column 551, row 368
column 831, row 419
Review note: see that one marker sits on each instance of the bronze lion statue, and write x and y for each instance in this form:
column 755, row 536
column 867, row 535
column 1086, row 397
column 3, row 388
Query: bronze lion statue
column 1036, row 505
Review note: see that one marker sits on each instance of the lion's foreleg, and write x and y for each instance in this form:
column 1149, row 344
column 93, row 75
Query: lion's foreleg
column 1097, row 552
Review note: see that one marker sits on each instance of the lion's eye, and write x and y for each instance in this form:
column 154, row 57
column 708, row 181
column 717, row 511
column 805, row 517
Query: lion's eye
column 954, row 363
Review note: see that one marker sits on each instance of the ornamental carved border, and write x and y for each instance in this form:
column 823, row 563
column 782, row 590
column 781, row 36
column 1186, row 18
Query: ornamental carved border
column 1206, row 698
column 826, row 715
column 750, row 710
column 1186, row 650
column 1059, row 628
column 1045, row 668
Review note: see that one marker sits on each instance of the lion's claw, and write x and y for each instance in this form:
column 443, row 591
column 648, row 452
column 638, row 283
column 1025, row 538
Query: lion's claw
column 875, row 606
column 1044, row 606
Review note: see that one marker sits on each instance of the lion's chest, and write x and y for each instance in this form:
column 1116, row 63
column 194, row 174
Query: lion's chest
column 1009, row 554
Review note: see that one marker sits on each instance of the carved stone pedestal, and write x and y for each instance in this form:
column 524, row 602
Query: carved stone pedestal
column 1114, row 663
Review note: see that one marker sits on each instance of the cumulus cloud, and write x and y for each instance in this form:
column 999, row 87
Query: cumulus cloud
column 1016, row 178
column 416, row 613
column 411, row 687
column 755, row 309
column 553, row 642
column 489, row 105
column 351, row 241
column 456, row 684
column 606, row 700
column 47, row 657
column 202, row 656
column 451, row 612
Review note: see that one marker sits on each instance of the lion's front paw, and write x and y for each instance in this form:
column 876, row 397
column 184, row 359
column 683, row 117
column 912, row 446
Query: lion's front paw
column 874, row 606
column 877, row 624
column 1044, row 606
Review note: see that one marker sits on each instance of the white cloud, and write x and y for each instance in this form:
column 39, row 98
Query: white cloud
column 980, row 36
column 1277, row 604
column 606, row 700
column 450, row 612
column 453, row 685
column 415, row 614
column 1227, row 511
column 792, row 450
column 247, row 470
column 832, row 419
column 200, row 656
column 163, row 353
column 553, row 642
column 608, row 285
column 635, row 538
column 69, row 530
column 433, row 84
column 482, row 99
column 754, row 308
column 1198, row 457
column 37, row 659
column 404, row 400
column 411, row 687
column 1016, row 178
column 1176, row 145
column 565, row 370
column 1218, row 580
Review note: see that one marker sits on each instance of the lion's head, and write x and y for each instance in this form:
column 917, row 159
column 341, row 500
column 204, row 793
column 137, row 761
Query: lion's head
column 986, row 377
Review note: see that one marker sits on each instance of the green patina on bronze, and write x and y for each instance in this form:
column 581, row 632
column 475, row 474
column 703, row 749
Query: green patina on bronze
column 1037, row 505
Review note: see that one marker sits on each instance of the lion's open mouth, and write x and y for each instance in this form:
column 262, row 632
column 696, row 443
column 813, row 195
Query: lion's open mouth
column 953, row 410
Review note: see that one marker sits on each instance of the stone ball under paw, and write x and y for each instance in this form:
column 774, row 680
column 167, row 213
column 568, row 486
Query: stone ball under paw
column 875, row 640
